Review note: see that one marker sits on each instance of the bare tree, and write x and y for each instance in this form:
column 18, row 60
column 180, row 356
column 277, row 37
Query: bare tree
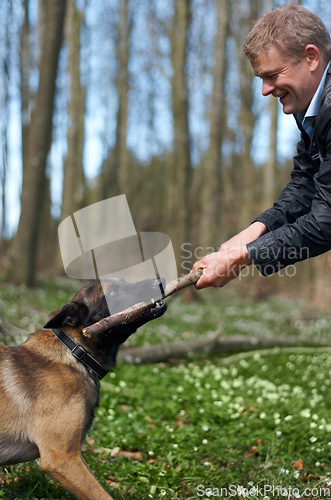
column 245, row 13
column 115, row 174
column 180, row 166
column 39, row 140
column 211, row 178
column 73, row 179
column 25, row 71
column 5, row 105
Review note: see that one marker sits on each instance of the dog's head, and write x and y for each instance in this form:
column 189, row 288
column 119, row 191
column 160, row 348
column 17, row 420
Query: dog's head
column 97, row 301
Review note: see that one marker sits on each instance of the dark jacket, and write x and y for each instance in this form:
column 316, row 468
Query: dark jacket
column 299, row 223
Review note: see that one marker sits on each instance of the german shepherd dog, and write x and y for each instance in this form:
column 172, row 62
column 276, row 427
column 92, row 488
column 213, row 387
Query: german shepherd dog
column 49, row 385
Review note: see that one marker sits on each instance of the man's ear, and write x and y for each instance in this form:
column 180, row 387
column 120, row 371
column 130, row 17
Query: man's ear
column 313, row 56
column 71, row 314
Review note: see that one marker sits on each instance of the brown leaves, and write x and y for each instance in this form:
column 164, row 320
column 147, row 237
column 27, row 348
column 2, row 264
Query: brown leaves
column 132, row 455
column 298, row 464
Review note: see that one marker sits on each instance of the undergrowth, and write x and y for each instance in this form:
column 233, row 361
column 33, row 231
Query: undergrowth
column 252, row 425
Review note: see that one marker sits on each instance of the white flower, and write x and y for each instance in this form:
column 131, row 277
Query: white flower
column 288, row 418
column 313, row 439
column 296, row 474
column 305, row 413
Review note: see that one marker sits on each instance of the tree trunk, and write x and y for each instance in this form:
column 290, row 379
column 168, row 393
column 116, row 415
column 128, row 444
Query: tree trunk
column 180, row 175
column 207, row 345
column 211, row 178
column 25, row 69
column 270, row 168
column 6, row 65
column 40, row 133
column 115, row 175
column 247, row 115
column 73, row 179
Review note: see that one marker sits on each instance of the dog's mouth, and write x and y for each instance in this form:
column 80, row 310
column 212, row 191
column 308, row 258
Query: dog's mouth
column 156, row 310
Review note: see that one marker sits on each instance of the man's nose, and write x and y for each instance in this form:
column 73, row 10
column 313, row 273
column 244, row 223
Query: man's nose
column 267, row 87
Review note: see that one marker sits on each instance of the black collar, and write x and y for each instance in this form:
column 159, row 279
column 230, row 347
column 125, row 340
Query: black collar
column 80, row 353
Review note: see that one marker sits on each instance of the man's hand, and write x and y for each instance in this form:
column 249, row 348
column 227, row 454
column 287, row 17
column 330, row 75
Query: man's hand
column 221, row 267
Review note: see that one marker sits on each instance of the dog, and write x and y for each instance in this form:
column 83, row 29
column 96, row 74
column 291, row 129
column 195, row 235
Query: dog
column 49, row 385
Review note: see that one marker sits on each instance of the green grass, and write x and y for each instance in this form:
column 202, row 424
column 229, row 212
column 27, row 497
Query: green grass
column 203, row 429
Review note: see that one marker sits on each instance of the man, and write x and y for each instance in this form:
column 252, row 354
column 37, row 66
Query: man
column 290, row 50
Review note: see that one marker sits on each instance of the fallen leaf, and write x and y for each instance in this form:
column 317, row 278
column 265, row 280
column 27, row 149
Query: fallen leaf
column 298, row 464
column 133, row 455
column 112, row 483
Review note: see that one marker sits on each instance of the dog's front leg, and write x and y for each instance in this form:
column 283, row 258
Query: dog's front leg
column 71, row 471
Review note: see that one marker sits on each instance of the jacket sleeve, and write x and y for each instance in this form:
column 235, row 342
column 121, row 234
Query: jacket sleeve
column 299, row 223
column 296, row 198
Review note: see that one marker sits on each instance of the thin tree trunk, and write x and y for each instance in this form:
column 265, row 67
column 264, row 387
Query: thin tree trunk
column 247, row 117
column 211, row 179
column 115, row 170
column 270, row 168
column 5, row 106
column 40, row 133
column 25, row 69
column 180, row 178
column 73, row 179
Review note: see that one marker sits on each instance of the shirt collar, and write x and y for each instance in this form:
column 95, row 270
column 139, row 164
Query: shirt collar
column 315, row 102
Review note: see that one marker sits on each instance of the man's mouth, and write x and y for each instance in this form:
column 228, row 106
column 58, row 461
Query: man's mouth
column 284, row 94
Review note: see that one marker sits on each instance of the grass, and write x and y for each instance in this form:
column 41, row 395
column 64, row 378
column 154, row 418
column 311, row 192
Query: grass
column 253, row 425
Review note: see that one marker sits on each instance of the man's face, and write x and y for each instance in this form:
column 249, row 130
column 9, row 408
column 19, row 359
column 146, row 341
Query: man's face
column 294, row 84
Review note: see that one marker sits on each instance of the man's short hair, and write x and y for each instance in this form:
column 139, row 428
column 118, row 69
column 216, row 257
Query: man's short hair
column 289, row 29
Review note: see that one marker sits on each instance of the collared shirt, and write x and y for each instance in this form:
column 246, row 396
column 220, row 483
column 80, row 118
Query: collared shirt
column 307, row 119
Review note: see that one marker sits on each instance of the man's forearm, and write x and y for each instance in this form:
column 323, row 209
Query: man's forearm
column 222, row 266
column 246, row 236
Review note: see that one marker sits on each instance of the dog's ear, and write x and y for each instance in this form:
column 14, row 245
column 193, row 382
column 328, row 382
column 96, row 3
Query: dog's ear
column 71, row 314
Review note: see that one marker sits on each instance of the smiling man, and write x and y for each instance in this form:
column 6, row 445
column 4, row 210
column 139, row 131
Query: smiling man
column 290, row 50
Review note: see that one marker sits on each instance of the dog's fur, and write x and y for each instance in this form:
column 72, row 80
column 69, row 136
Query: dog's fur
column 47, row 397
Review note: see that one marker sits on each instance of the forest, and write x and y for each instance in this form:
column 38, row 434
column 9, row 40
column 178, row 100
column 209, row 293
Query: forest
column 154, row 100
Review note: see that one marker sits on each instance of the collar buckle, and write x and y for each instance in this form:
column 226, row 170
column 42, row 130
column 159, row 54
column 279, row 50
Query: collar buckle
column 80, row 353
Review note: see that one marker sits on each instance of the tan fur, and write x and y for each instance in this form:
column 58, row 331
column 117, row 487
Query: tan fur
column 47, row 397
column 47, row 420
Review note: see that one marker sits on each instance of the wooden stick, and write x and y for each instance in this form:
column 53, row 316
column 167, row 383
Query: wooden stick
column 136, row 310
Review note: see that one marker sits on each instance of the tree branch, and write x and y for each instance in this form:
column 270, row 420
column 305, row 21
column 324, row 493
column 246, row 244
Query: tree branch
column 137, row 310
